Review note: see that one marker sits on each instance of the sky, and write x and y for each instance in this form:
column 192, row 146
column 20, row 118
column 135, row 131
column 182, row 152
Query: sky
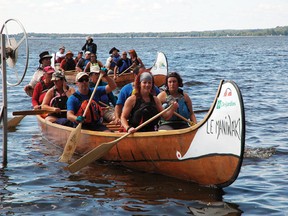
column 117, row 16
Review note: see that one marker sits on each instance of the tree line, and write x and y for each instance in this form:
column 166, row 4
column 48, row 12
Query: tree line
column 278, row 31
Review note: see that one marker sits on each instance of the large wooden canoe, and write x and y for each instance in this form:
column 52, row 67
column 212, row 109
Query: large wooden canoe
column 209, row 153
column 159, row 71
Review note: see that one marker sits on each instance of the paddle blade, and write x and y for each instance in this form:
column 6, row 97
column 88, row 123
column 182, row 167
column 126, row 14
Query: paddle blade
column 102, row 149
column 71, row 144
column 91, row 156
column 15, row 121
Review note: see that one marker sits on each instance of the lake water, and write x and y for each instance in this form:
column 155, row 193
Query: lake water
column 34, row 183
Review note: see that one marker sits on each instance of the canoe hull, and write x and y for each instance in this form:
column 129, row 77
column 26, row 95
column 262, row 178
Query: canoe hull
column 192, row 154
column 70, row 76
column 123, row 79
column 153, row 152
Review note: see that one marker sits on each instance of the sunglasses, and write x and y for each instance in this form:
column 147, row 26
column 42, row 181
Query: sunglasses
column 82, row 79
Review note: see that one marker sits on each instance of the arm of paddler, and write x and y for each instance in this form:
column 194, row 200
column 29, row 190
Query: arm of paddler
column 111, row 83
column 129, row 104
column 168, row 114
column 46, row 101
column 36, row 96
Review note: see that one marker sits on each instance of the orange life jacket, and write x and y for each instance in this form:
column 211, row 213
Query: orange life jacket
column 93, row 114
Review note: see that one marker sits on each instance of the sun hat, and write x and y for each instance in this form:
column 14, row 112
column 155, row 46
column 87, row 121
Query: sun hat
column 69, row 53
column 44, row 55
column 114, row 48
column 87, row 52
column 57, row 75
column 80, row 75
column 48, row 69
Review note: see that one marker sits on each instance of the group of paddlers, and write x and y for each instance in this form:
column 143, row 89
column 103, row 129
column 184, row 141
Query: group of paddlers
column 136, row 102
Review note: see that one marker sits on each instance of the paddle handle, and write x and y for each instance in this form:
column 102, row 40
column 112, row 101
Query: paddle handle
column 200, row 111
column 34, row 112
column 92, row 95
column 183, row 118
column 125, row 70
column 153, row 118
column 143, row 124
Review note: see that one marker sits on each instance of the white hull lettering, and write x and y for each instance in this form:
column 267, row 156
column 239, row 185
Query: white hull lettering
column 225, row 126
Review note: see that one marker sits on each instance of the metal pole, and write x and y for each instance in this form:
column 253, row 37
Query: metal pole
column 4, row 96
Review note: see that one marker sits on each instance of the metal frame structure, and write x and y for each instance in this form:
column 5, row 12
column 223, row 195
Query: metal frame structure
column 3, row 114
column 8, row 55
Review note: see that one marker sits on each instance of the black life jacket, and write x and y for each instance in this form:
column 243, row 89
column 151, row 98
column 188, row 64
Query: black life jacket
column 141, row 112
column 59, row 101
column 70, row 65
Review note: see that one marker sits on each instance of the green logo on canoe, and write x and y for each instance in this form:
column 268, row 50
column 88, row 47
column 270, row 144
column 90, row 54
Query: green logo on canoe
column 221, row 104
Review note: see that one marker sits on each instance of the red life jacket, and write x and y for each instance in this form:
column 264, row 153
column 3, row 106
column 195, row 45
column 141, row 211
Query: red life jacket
column 93, row 114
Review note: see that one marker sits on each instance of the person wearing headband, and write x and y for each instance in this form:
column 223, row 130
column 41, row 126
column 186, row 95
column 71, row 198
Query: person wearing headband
column 172, row 93
column 142, row 105
column 125, row 92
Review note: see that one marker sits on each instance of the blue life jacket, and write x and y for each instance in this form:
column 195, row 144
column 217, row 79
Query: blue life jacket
column 125, row 64
column 115, row 59
column 182, row 106
column 85, row 63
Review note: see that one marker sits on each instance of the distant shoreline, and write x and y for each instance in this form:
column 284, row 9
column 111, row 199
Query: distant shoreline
column 81, row 38
column 278, row 31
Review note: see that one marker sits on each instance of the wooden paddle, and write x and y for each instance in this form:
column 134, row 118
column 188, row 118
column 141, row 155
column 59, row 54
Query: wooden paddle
column 200, row 111
column 34, row 112
column 13, row 122
column 74, row 136
column 183, row 118
column 19, row 115
column 104, row 148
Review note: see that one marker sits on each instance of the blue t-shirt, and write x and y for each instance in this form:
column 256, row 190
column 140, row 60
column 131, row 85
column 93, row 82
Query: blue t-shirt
column 73, row 103
column 126, row 91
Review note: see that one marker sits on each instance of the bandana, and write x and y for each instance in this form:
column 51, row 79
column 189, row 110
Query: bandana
column 145, row 76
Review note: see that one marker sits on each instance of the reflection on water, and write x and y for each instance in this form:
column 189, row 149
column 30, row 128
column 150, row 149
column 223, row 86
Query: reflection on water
column 102, row 188
column 216, row 208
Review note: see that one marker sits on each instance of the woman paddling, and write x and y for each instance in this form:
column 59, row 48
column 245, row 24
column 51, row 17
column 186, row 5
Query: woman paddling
column 175, row 93
column 142, row 105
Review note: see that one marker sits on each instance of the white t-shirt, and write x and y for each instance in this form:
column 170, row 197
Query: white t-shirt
column 36, row 77
column 108, row 62
column 59, row 55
